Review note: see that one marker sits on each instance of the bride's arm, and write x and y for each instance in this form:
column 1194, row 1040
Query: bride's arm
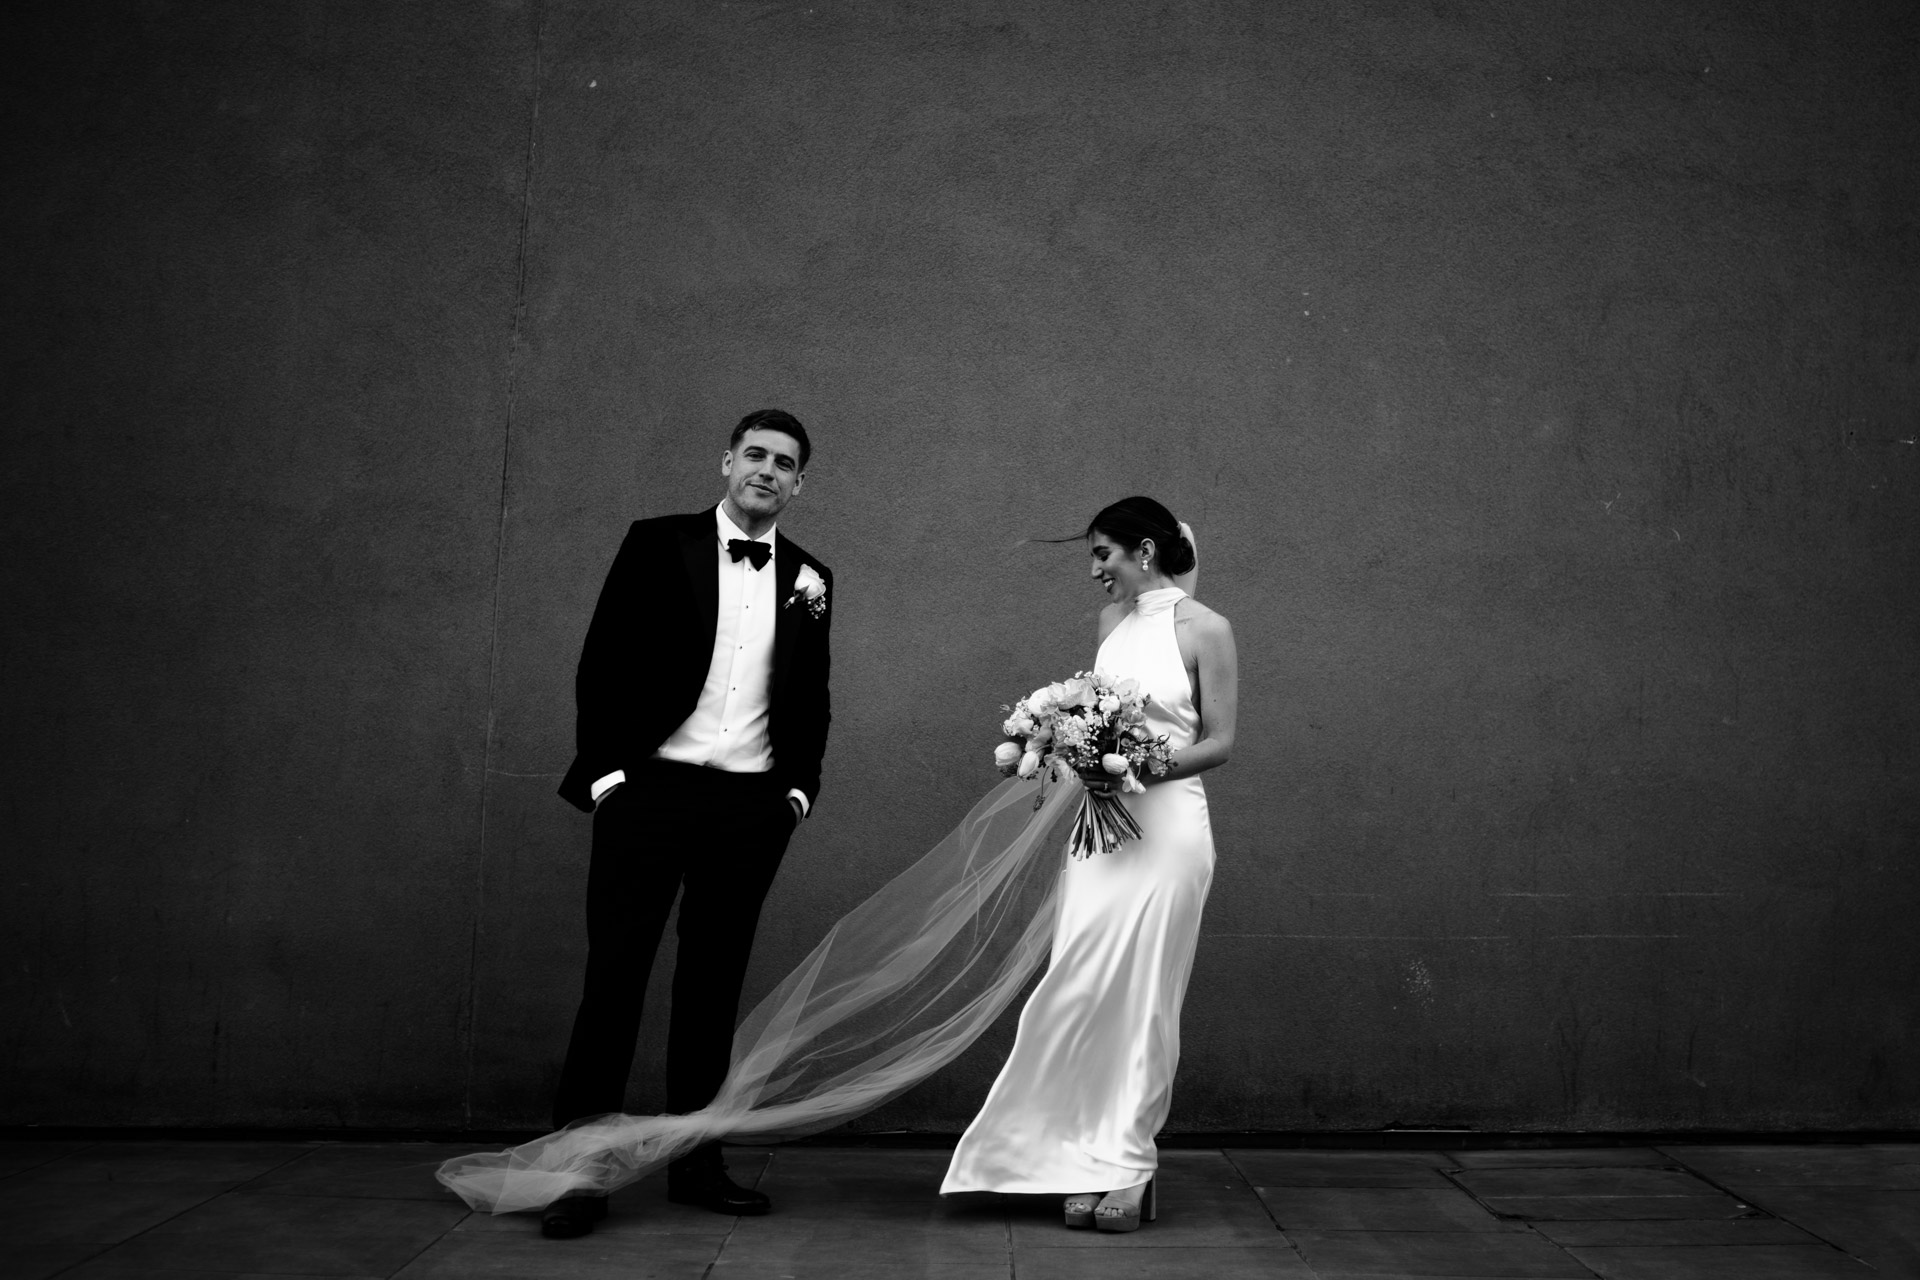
column 1189, row 581
column 1219, row 698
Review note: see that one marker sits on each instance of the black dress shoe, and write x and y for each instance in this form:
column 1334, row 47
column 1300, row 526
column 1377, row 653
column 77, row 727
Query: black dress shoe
column 572, row 1216
column 709, row 1187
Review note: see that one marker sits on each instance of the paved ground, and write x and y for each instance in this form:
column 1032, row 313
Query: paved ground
column 174, row 1210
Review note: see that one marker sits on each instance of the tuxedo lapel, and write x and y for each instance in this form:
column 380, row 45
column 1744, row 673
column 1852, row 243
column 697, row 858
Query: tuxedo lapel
column 698, row 541
column 786, row 564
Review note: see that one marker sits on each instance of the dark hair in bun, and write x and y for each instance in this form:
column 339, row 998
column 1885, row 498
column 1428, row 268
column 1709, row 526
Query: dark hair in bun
column 1131, row 521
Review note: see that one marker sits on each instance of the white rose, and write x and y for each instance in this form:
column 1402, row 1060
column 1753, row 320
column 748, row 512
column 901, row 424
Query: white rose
column 1006, row 755
column 1113, row 762
column 809, row 583
column 1029, row 764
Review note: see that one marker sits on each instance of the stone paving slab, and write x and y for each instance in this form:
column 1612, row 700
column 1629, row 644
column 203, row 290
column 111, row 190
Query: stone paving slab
column 230, row 1162
column 1583, row 1182
column 20, row 1156
column 41, row 1261
column 1882, row 1227
column 1732, row 1262
column 1676, row 1231
column 1559, row 1158
column 52, row 1212
column 529, row 1256
column 821, row 1247
column 643, row 1211
column 196, row 1211
column 1882, row 1167
column 866, row 1267
column 327, row 1235
column 1198, row 1262
column 1341, row 1168
column 106, row 1271
column 1437, row 1253
column 827, row 1176
column 1378, row 1209
column 906, row 1232
column 1599, row 1208
column 378, row 1170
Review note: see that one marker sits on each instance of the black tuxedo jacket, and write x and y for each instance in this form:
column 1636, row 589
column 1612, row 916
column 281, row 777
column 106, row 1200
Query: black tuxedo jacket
column 651, row 641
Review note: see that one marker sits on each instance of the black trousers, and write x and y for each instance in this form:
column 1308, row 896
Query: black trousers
column 718, row 837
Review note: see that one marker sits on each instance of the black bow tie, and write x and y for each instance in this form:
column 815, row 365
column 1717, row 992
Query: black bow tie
column 758, row 552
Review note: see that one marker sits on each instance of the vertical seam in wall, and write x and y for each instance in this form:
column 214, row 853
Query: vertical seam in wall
column 499, row 566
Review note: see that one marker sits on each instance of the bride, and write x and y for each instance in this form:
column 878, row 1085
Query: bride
column 1090, row 1078
column 911, row 977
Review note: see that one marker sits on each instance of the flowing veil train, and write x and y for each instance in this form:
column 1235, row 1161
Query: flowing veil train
column 897, row 988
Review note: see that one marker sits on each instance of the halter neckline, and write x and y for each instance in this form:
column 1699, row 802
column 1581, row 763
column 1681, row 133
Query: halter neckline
column 1159, row 600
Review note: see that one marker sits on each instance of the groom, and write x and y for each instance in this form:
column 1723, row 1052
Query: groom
column 702, row 698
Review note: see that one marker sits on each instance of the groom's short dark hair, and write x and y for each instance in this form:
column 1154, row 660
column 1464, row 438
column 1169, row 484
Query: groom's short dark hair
column 773, row 420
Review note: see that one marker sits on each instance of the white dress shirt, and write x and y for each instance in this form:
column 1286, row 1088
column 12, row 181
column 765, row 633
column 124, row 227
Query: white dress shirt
column 728, row 727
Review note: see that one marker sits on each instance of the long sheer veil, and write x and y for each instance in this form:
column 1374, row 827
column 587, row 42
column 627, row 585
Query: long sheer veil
column 896, row 989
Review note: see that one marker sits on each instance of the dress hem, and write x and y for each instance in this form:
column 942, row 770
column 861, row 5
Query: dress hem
column 1134, row 1178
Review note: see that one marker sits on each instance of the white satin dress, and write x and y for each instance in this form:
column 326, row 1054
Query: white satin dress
column 1090, row 1078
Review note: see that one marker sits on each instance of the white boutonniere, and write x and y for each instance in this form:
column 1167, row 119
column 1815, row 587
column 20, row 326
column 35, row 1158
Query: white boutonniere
column 808, row 586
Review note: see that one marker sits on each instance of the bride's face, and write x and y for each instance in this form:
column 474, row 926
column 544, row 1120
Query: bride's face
column 1116, row 569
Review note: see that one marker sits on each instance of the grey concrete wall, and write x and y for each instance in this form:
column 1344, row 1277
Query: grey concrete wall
column 1541, row 381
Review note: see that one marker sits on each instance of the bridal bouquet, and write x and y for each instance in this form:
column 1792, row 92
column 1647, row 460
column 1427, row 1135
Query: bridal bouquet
column 1088, row 722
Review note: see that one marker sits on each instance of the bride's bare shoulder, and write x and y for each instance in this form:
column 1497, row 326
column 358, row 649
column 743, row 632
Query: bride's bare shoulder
column 1204, row 624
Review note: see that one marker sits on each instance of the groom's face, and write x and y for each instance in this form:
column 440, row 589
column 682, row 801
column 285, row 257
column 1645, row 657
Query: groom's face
column 763, row 472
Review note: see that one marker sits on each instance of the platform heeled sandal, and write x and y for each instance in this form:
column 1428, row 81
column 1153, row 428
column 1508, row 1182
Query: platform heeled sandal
column 1079, row 1210
column 1129, row 1218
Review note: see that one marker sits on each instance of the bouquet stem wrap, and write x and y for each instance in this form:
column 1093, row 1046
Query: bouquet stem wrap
column 1102, row 825
column 895, row 991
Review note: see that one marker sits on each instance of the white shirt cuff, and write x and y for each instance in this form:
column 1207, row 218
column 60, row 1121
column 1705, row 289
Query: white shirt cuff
column 797, row 794
column 607, row 784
